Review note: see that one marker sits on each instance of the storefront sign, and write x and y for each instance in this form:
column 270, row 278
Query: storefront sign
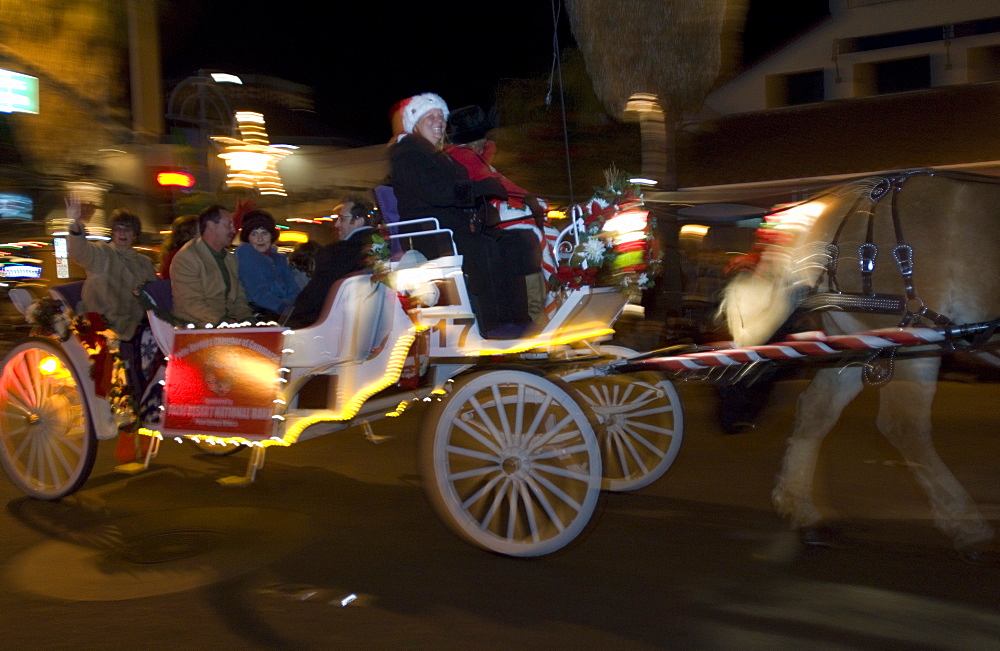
column 18, row 92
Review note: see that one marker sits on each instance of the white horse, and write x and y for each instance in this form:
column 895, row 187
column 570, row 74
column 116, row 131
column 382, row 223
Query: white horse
column 951, row 223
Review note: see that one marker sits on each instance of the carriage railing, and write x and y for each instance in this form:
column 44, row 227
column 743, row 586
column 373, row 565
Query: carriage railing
column 563, row 248
column 394, row 227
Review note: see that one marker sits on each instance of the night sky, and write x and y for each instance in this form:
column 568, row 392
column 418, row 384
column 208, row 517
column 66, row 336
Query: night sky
column 361, row 57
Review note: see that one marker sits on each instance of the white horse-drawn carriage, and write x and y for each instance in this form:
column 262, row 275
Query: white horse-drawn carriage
column 522, row 435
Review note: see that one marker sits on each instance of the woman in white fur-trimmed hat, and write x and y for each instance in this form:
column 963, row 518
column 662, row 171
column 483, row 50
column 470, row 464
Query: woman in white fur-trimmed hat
column 429, row 183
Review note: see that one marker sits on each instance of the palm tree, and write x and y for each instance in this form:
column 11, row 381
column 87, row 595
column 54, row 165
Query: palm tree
column 649, row 60
column 652, row 59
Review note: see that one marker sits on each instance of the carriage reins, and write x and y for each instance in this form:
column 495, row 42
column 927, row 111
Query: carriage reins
column 910, row 306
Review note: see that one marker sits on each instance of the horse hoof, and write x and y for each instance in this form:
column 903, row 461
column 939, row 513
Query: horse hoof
column 821, row 537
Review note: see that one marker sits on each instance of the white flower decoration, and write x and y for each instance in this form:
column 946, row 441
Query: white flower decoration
column 593, row 250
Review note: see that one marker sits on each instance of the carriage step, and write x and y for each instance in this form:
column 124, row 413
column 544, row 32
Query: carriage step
column 239, row 481
column 133, row 468
column 235, row 481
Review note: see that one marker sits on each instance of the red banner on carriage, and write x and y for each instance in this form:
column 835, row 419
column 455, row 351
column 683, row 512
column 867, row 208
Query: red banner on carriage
column 223, row 383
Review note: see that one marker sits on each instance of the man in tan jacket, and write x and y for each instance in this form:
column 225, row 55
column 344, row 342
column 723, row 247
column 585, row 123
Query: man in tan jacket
column 204, row 276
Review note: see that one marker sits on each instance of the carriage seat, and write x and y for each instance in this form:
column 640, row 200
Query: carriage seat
column 157, row 294
column 385, row 197
column 69, row 293
column 353, row 324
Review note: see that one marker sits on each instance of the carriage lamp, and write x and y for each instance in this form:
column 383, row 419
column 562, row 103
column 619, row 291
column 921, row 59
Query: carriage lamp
column 49, row 365
column 53, row 367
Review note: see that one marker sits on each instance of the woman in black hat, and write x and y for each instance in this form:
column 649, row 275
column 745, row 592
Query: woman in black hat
column 264, row 273
column 521, row 216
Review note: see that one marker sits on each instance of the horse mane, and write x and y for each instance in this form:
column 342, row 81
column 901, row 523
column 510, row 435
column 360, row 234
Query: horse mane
column 756, row 302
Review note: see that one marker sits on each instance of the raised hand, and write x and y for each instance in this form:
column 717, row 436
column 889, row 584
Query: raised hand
column 78, row 213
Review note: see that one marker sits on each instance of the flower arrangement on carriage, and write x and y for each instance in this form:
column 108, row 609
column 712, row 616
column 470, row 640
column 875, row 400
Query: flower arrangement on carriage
column 612, row 243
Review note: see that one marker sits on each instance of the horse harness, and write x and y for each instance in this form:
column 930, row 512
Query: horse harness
column 878, row 368
column 910, row 306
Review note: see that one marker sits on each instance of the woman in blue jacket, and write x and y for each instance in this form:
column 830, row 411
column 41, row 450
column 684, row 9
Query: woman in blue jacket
column 264, row 273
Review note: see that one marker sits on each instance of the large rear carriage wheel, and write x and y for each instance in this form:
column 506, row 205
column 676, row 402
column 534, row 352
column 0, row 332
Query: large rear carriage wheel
column 511, row 462
column 47, row 442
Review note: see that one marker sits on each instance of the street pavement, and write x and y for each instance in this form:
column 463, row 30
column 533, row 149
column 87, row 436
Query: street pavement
column 334, row 546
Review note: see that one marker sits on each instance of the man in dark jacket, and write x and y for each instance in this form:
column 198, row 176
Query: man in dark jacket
column 355, row 223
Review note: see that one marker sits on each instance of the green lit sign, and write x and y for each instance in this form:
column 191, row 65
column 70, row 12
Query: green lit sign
column 18, row 93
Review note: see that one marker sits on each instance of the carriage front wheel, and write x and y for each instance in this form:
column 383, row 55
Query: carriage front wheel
column 47, row 442
column 511, row 462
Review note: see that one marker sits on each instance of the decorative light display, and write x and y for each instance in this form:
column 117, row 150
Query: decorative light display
column 252, row 160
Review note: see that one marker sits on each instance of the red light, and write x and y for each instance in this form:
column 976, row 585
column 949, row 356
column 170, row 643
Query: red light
column 177, row 179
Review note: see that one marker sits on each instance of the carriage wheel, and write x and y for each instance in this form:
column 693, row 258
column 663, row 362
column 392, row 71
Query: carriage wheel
column 47, row 443
column 640, row 425
column 511, row 462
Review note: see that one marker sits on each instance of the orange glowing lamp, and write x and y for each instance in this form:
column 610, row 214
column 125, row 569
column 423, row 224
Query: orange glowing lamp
column 175, row 179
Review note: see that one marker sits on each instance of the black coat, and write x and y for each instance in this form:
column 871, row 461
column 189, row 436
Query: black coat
column 333, row 262
column 430, row 183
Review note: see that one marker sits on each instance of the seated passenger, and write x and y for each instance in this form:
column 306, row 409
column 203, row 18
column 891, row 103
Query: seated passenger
column 429, row 183
column 115, row 270
column 522, row 213
column 264, row 273
column 355, row 224
column 204, row 275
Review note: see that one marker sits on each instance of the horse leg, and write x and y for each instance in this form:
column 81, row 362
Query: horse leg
column 819, row 408
column 904, row 418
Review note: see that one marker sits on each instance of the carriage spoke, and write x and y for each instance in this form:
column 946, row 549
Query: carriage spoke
column 575, row 475
column 501, row 409
column 559, row 452
column 483, row 490
column 501, row 491
column 488, row 422
column 56, row 453
column 472, row 454
column 26, row 443
column 26, row 380
column 553, row 432
column 625, row 442
column 486, row 443
column 558, row 492
column 48, row 454
column 529, row 510
column 512, row 493
column 475, row 472
column 656, row 411
column 544, row 502
column 665, row 431
column 543, row 409
column 519, row 414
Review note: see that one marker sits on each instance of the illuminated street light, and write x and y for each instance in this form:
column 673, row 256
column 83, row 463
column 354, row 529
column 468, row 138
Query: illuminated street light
column 253, row 160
